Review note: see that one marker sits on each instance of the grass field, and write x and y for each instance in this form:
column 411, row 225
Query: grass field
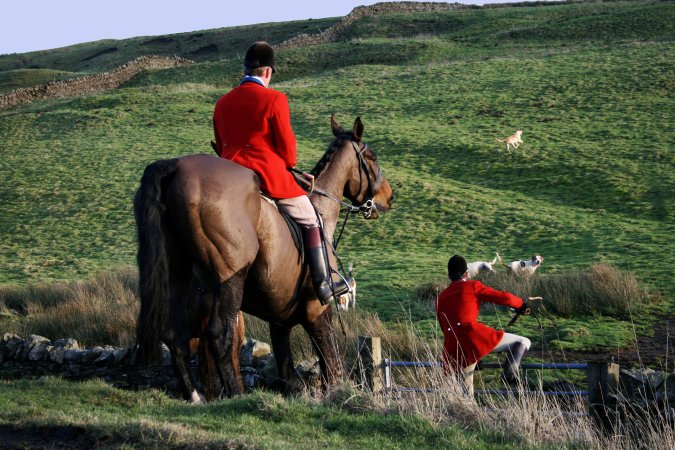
column 105, row 417
column 590, row 84
column 592, row 184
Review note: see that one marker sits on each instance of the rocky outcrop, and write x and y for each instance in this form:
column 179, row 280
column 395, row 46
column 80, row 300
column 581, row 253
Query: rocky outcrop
column 89, row 84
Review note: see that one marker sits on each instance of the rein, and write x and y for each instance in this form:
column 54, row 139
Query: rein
column 345, row 205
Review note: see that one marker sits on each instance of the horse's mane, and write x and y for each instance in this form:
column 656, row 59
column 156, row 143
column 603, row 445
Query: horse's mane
column 337, row 144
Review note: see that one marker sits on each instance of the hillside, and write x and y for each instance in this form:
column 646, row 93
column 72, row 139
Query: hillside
column 592, row 183
column 203, row 45
column 22, row 78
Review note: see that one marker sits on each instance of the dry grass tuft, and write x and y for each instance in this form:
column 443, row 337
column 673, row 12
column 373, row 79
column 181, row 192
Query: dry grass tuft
column 596, row 290
column 98, row 312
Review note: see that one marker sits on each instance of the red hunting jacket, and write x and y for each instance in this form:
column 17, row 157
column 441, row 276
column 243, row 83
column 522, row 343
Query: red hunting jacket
column 252, row 126
column 457, row 307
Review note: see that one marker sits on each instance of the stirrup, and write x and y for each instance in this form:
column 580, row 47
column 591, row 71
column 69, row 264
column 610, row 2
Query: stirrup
column 330, row 291
column 347, row 282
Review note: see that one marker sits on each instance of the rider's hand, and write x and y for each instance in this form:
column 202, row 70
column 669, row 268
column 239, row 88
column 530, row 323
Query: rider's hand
column 308, row 176
column 524, row 309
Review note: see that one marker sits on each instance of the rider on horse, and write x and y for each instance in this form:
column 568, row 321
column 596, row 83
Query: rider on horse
column 252, row 127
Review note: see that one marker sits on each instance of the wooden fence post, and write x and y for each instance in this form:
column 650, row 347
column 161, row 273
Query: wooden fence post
column 370, row 355
column 603, row 383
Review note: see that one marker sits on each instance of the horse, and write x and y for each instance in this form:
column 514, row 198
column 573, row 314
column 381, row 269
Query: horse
column 204, row 215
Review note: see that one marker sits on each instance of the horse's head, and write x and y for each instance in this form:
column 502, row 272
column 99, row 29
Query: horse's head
column 364, row 179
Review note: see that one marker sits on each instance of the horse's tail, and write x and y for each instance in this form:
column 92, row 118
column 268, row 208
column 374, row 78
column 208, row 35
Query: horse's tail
column 153, row 259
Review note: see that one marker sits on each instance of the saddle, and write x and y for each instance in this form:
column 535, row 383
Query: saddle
column 293, row 227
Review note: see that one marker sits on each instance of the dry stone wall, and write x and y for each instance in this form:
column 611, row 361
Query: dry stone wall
column 37, row 356
column 89, row 84
column 333, row 33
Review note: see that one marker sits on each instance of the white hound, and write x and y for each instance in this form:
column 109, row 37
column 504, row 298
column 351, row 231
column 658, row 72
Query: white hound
column 527, row 266
column 482, row 266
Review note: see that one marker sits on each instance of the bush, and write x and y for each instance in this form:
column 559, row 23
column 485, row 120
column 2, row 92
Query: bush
column 597, row 290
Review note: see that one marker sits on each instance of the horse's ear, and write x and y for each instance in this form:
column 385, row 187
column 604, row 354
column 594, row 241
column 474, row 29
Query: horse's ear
column 358, row 129
column 335, row 126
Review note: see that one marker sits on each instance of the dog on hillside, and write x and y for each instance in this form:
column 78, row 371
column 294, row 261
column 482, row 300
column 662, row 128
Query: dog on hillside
column 526, row 266
column 514, row 140
column 477, row 267
column 348, row 299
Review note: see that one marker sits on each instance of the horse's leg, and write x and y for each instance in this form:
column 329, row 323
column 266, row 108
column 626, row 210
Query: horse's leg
column 281, row 346
column 207, row 367
column 178, row 339
column 322, row 335
column 224, row 335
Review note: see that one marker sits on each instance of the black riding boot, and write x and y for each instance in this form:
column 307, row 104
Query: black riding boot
column 513, row 356
column 318, row 266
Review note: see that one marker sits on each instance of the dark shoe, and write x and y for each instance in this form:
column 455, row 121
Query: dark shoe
column 514, row 355
column 326, row 289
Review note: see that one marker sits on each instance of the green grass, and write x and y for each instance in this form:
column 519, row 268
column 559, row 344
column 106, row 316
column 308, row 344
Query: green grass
column 108, row 417
column 588, row 199
column 23, row 78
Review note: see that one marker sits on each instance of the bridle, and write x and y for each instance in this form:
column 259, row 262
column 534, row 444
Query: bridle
column 373, row 185
column 366, row 207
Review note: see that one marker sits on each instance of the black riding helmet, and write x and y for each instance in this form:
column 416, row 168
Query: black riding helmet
column 259, row 54
column 456, row 267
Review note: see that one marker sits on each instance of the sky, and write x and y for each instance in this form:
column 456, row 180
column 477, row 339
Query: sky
column 29, row 25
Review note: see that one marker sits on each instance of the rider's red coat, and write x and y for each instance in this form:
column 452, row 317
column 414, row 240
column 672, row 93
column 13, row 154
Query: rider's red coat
column 252, row 126
column 457, row 307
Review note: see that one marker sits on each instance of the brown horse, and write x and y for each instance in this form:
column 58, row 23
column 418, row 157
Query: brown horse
column 205, row 214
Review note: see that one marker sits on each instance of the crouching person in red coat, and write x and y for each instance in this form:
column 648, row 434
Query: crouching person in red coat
column 252, row 127
column 466, row 340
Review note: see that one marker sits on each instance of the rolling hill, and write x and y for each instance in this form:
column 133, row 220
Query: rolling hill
column 590, row 84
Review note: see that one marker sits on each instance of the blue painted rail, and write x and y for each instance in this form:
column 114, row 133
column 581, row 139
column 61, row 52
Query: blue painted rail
column 387, row 364
column 602, row 378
